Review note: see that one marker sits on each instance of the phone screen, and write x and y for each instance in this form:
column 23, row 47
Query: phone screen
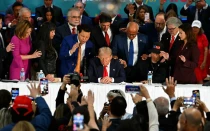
column 146, row 17
column 189, row 101
column 44, row 86
column 15, row 93
column 132, row 89
column 196, row 94
column 78, row 122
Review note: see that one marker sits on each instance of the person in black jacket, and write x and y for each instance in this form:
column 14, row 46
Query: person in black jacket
column 47, row 62
column 157, row 63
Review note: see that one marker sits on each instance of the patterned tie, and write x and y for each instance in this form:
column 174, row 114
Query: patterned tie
column 77, row 68
column 131, row 53
column 73, row 31
column 171, row 42
column 107, row 39
column 105, row 72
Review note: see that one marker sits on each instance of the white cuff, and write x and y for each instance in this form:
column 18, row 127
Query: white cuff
column 9, row 25
column 112, row 80
column 99, row 79
column 185, row 7
column 173, row 98
column 205, row 7
column 69, row 53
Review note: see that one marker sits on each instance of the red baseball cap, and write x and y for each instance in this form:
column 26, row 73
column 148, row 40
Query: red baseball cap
column 22, row 102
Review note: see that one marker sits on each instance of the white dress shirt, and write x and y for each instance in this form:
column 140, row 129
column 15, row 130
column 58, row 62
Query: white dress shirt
column 139, row 5
column 108, row 71
column 162, row 32
column 136, row 48
column 196, row 12
column 109, row 32
column 82, row 50
column 175, row 36
column 71, row 27
column 113, row 18
column 2, row 40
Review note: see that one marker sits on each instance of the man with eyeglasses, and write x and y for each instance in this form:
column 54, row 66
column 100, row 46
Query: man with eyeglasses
column 129, row 48
column 84, row 16
column 104, row 69
column 40, row 11
column 155, row 30
column 172, row 41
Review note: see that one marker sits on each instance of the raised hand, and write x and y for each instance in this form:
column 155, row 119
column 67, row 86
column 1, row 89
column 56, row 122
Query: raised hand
column 137, row 98
column 189, row 2
column 34, row 91
column 75, row 46
column 170, row 87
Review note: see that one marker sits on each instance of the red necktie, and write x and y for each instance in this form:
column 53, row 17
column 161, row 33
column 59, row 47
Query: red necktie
column 105, row 72
column 171, row 42
column 73, row 31
column 107, row 38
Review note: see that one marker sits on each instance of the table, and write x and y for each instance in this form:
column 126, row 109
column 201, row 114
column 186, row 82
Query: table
column 100, row 91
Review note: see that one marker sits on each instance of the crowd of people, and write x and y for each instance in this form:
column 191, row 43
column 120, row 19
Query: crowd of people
column 106, row 49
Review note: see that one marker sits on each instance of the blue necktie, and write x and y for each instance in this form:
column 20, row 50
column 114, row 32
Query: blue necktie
column 131, row 53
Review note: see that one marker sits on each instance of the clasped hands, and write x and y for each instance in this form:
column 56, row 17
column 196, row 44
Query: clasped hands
column 106, row 80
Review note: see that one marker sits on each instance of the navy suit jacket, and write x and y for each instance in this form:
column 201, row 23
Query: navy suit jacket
column 120, row 46
column 40, row 12
column 68, row 63
column 204, row 17
column 86, row 20
column 95, row 70
column 60, row 32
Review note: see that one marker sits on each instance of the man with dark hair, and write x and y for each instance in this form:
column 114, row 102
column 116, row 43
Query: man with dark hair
column 5, row 48
column 199, row 11
column 116, row 111
column 12, row 19
column 103, row 34
column 5, row 98
column 40, row 11
column 130, row 9
column 22, row 110
column 75, row 50
column 10, row 8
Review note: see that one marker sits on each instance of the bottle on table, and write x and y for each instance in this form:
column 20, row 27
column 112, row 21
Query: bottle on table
column 41, row 75
column 149, row 78
column 22, row 75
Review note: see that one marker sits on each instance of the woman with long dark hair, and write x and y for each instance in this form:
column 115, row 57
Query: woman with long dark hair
column 47, row 62
column 188, row 56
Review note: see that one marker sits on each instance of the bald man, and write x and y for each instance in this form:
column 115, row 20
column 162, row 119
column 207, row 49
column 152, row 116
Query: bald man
column 189, row 120
column 129, row 48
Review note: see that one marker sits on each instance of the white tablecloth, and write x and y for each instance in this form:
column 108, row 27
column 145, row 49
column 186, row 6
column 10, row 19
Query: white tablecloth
column 100, row 91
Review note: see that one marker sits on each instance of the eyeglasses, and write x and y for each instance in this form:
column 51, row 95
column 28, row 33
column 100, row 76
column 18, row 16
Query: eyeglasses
column 75, row 17
column 116, row 91
column 159, row 23
column 79, row 7
column 171, row 29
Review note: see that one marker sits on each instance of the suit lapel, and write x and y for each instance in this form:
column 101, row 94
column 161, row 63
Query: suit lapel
column 68, row 29
column 99, row 69
column 111, row 70
column 125, row 44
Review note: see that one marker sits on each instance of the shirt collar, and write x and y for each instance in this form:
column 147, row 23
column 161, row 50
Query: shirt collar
column 50, row 6
column 176, row 34
column 139, row 5
column 113, row 18
column 70, row 26
column 133, row 38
